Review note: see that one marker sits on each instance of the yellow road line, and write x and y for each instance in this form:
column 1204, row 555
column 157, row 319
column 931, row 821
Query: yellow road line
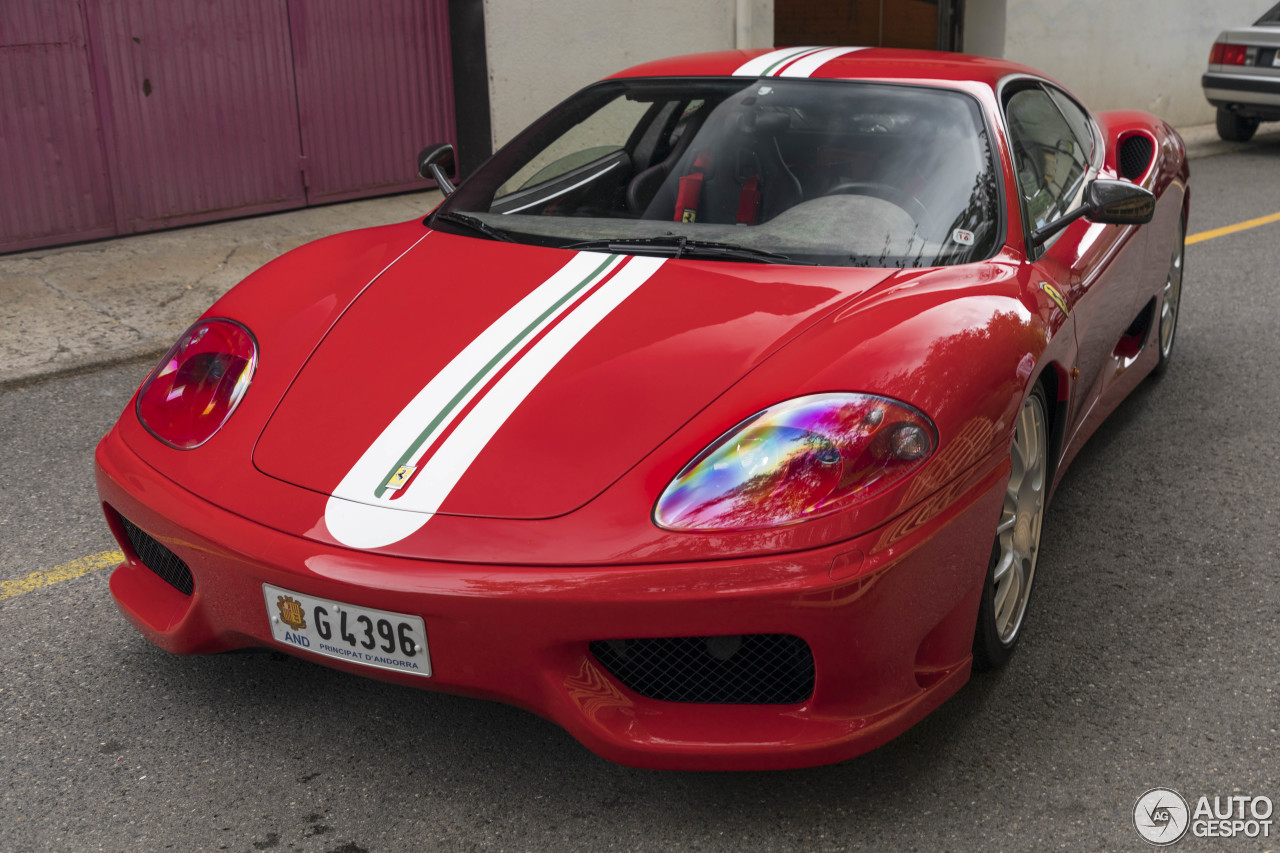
column 1231, row 229
column 58, row 574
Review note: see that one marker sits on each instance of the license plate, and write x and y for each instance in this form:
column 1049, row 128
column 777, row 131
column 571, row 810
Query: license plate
column 375, row 638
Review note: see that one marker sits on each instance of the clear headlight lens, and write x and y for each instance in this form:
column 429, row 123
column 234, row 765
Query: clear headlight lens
column 198, row 384
column 798, row 460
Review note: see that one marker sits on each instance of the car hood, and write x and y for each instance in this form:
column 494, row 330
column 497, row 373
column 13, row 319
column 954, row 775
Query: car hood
column 502, row 380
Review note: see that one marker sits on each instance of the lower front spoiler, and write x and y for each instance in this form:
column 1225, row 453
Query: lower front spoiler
column 889, row 618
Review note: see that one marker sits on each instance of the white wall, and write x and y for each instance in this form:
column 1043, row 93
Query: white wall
column 1114, row 54
column 541, row 52
column 984, row 27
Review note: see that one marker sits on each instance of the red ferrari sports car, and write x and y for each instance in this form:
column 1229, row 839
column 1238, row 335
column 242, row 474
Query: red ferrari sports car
column 714, row 418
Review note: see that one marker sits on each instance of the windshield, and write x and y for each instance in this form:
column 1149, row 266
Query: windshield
column 792, row 171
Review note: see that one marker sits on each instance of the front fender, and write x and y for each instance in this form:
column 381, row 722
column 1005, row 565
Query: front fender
column 289, row 305
column 964, row 345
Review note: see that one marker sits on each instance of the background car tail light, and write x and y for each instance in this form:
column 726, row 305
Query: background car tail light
column 1228, row 54
column 198, row 384
column 801, row 459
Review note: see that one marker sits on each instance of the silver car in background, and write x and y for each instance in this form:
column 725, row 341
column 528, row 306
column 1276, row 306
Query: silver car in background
column 1243, row 80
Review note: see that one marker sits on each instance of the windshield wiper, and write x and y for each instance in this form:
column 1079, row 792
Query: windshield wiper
column 679, row 246
column 474, row 224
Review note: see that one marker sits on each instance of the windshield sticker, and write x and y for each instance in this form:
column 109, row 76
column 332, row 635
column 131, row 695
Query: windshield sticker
column 963, row 237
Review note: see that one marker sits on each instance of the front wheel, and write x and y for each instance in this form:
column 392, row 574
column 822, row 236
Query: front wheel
column 1234, row 127
column 1017, row 544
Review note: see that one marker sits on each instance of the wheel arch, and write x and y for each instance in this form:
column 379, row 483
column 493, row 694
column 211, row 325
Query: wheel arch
column 1055, row 379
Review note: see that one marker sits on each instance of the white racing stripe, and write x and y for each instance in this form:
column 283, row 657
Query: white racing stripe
column 463, row 377
column 446, row 467
column 357, row 519
column 767, row 61
column 806, row 65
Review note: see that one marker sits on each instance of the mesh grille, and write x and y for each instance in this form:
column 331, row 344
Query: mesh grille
column 1135, row 156
column 159, row 559
column 746, row 669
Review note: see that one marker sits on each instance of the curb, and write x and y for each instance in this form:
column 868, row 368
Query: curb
column 147, row 353
column 1203, row 141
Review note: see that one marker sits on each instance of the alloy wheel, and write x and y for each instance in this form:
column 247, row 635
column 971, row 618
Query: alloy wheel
column 1018, row 534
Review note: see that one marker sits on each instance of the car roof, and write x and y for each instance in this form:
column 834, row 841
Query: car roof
column 871, row 63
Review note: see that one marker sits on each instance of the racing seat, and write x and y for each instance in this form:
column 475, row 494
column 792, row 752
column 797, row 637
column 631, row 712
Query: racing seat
column 746, row 183
column 645, row 185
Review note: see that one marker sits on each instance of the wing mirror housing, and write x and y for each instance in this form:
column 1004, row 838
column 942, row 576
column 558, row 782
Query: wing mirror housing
column 437, row 162
column 1108, row 202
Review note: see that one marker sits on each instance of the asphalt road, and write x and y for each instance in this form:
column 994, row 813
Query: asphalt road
column 1151, row 659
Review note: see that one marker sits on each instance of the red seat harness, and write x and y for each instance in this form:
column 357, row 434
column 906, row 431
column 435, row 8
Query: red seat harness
column 690, row 194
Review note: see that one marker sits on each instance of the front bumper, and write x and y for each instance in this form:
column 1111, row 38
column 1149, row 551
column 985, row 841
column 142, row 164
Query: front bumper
column 889, row 617
column 1252, row 91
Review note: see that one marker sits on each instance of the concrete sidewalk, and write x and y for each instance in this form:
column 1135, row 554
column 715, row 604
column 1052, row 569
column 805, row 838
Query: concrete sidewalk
column 74, row 308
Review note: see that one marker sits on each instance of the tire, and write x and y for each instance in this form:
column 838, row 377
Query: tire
column 1234, row 127
column 1170, row 302
column 1011, row 571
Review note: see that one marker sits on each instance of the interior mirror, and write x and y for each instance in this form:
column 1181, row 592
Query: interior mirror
column 437, row 162
column 1106, row 201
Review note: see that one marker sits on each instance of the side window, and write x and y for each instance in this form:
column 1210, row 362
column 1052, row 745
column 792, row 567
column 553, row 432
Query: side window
column 604, row 132
column 1075, row 115
column 1050, row 160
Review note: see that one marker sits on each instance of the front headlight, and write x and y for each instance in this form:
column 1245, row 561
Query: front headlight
column 798, row 460
column 198, row 384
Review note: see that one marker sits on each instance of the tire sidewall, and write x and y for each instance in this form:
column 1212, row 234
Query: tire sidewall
column 989, row 651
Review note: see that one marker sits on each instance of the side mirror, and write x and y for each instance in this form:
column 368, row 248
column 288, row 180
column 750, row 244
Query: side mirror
column 1119, row 203
column 1108, row 202
column 437, row 162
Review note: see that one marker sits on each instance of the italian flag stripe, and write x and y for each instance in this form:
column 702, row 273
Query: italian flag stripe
column 567, row 306
column 787, row 60
column 806, row 65
column 490, row 367
column 766, row 62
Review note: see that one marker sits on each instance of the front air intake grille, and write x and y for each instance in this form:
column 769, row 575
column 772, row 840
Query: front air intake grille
column 1135, row 156
column 159, row 559
column 742, row 669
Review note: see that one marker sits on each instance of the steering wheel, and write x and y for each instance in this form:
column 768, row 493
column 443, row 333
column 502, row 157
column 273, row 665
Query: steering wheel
column 886, row 192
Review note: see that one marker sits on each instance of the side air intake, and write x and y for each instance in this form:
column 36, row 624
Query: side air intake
column 1135, row 156
column 159, row 559
column 746, row 669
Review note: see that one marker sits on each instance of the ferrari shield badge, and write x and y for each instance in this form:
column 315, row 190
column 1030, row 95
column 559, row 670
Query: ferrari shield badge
column 291, row 612
column 400, row 477
column 1052, row 293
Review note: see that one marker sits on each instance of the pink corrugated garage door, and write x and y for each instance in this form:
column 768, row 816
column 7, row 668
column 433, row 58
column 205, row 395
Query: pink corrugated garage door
column 203, row 109
column 132, row 115
column 52, row 173
column 373, row 90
